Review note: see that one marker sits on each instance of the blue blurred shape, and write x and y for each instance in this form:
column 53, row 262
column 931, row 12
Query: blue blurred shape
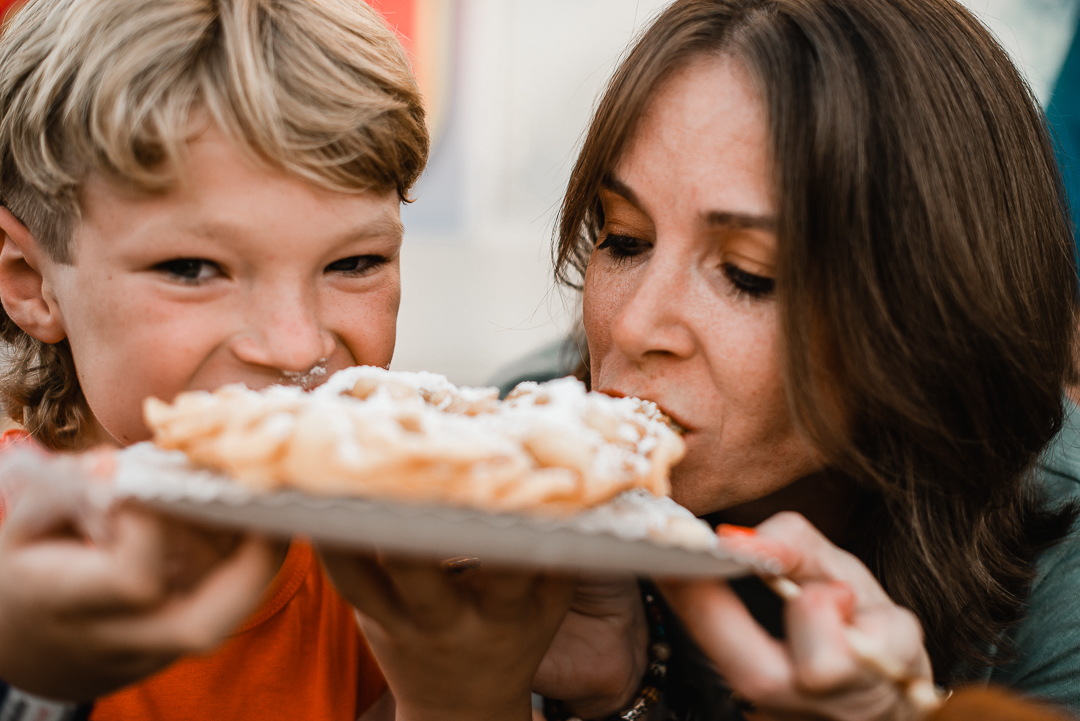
column 1063, row 116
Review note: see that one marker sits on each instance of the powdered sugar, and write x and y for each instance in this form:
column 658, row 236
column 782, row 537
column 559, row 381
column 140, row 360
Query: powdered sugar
column 548, row 448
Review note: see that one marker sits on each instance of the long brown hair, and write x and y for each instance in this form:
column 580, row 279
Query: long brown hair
column 926, row 280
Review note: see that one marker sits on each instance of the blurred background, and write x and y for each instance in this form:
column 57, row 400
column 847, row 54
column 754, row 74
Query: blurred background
column 510, row 85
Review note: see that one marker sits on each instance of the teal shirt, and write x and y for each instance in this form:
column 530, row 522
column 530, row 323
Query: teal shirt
column 1047, row 641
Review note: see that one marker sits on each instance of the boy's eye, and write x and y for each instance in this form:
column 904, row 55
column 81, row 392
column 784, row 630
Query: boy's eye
column 356, row 264
column 189, row 270
column 756, row 286
column 622, row 247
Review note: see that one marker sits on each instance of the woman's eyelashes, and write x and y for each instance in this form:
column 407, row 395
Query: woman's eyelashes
column 189, row 270
column 356, row 265
column 755, row 286
column 622, row 247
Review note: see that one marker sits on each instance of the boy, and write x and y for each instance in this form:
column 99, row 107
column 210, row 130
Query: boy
column 192, row 192
column 200, row 192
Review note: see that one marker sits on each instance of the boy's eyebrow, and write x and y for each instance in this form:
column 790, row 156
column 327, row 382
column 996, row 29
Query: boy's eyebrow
column 381, row 228
column 713, row 218
column 391, row 226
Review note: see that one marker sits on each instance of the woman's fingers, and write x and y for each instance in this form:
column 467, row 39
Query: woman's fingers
column 816, row 624
column 807, row 555
column 598, row 656
column 889, row 639
column 848, row 649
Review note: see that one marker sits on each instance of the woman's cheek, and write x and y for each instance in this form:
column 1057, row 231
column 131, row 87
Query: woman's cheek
column 598, row 309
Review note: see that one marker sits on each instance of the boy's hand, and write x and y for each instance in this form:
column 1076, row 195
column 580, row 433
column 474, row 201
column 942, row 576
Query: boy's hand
column 80, row 618
column 454, row 646
column 598, row 658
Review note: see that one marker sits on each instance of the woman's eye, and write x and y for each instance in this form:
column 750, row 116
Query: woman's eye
column 622, row 247
column 189, row 270
column 756, row 286
column 356, row 264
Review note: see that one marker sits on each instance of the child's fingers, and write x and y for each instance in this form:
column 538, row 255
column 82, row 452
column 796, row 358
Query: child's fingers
column 514, row 595
column 362, row 581
column 501, row 593
column 426, row 591
column 42, row 512
column 603, row 595
column 129, row 575
column 197, row 621
column 556, row 592
column 754, row 663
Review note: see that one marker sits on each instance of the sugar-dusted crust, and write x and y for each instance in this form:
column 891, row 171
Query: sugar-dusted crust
column 549, row 448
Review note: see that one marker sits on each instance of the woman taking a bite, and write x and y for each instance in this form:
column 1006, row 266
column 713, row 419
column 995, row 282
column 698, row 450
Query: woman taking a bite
column 827, row 237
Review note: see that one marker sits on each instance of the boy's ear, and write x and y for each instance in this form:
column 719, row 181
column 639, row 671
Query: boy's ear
column 23, row 290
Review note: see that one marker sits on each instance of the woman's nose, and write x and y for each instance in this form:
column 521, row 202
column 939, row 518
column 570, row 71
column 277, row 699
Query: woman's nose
column 284, row 332
column 652, row 320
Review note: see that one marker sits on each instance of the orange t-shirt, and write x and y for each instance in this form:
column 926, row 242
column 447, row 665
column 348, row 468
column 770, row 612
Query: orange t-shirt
column 300, row 656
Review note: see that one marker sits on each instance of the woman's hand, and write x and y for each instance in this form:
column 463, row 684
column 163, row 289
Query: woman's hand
column 598, row 657
column 453, row 645
column 92, row 601
column 816, row 672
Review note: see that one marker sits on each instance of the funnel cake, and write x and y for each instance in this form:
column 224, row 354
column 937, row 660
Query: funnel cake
column 550, row 448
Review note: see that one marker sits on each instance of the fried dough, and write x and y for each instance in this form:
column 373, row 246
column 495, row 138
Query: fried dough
column 550, row 448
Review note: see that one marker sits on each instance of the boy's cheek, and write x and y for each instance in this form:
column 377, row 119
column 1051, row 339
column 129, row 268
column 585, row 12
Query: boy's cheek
column 367, row 325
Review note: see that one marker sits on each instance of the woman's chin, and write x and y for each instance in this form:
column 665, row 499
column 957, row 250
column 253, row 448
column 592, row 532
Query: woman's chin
column 697, row 490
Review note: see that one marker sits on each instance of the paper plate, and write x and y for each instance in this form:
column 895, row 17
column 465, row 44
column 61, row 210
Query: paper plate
column 635, row 533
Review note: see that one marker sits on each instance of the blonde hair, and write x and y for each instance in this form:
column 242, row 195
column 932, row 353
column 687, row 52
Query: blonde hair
column 318, row 88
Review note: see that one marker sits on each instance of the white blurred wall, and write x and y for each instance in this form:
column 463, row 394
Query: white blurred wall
column 477, row 280
column 477, row 286
column 1036, row 33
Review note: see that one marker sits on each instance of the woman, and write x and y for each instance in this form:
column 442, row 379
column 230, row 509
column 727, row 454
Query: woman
column 828, row 238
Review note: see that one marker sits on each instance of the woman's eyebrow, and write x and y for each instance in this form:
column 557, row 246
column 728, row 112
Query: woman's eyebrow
column 713, row 218
column 621, row 189
column 739, row 221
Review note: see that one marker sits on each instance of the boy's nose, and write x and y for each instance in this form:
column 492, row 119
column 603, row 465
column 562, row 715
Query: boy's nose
column 284, row 334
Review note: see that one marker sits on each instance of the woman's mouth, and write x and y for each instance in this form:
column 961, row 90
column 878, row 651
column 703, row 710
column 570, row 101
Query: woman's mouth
column 676, row 423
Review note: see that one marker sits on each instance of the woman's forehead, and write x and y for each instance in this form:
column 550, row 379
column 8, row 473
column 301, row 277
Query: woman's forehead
column 703, row 139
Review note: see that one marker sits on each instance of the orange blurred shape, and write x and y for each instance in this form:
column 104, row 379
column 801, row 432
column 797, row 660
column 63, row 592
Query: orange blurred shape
column 400, row 15
column 994, row 704
column 6, row 5
column 426, row 29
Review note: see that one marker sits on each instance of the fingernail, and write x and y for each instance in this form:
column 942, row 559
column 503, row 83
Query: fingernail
column 728, row 530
